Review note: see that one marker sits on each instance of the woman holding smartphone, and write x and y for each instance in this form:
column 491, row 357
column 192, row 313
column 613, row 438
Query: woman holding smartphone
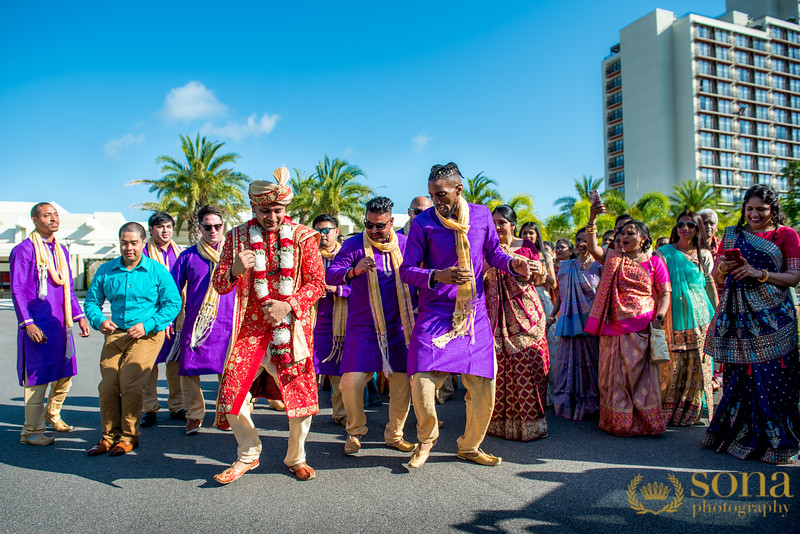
column 754, row 335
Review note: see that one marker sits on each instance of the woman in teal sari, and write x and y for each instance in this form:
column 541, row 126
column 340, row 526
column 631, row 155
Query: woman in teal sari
column 694, row 296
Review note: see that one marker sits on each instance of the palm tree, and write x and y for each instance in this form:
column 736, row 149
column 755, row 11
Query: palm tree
column 522, row 204
column 203, row 179
column 791, row 201
column 302, row 207
column 694, row 195
column 481, row 190
column 582, row 188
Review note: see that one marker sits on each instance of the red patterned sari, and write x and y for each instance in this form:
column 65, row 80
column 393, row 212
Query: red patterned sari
column 523, row 360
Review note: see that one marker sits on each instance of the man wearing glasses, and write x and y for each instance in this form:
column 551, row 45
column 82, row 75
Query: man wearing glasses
column 418, row 205
column 329, row 329
column 379, row 323
column 206, row 330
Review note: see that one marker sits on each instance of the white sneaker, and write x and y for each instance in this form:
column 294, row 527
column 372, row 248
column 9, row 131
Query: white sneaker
column 39, row 440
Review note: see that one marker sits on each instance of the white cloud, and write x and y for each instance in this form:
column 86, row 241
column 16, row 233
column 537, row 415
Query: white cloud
column 192, row 101
column 113, row 148
column 237, row 130
column 420, row 141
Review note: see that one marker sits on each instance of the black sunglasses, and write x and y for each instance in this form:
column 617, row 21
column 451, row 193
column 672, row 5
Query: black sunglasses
column 690, row 224
column 208, row 227
column 416, row 211
column 369, row 226
column 325, row 231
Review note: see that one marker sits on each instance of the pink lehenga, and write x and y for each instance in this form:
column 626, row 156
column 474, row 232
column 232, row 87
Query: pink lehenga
column 523, row 360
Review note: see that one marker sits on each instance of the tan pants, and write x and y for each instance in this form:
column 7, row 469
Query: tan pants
column 352, row 388
column 125, row 365
column 34, row 404
column 337, row 405
column 246, row 434
column 193, row 398
column 150, row 396
column 479, row 403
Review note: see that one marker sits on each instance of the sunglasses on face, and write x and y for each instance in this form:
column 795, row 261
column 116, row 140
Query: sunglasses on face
column 325, row 231
column 208, row 227
column 416, row 211
column 691, row 225
column 369, row 226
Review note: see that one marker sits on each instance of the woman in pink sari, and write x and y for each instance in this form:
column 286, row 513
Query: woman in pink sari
column 518, row 320
column 633, row 294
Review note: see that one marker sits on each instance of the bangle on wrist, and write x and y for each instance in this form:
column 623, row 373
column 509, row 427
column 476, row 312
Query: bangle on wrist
column 764, row 276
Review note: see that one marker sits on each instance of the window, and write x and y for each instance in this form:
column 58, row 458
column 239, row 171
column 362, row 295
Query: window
column 763, row 146
column 706, row 121
column 795, row 102
column 706, row 86
column 706, row 103
column 708, row 175
column 782, row 149
column 741, row 41
column 792, row 37
column 763, row 164
column 614, row 67
column 726, row 124
column 781, row 164
column 779, row 82
column 781, row 132
column 724, row 88
column 721, row 36
column 703, row 67
column 781, row 115
column 743, row 57
column 707, row 139
column 758, row 44
column 723, row 71
column 701, row 31
column 779, row 65
column 726, row 177
column 794, row 85
column 746, row 127
column 760, row 77
column 780, row 99
column 726, row 141
column 615, row 130
column 794, row 68
column 723, row 106
column 795, row 118
column 703, row 49
column 764, row 179
column 728, row 195
column 781, row 182
column 726, row 159
column 761, row 95
column 615, row 115
column 722, row 53
column 747, row 179
column 744, row 92
column 759, row 61
column 746, row 162
column 706, row 157
column 762, row 112
column 794, row 52
column 745, row 75
column 762, row 129
column 745, row 144
column 779, row 49
column 795, row 134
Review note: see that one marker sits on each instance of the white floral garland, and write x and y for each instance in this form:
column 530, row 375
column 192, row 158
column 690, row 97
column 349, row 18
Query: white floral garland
column 281, row 335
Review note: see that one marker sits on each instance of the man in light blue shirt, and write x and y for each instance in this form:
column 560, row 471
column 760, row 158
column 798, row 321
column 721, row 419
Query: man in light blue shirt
column 144, row 301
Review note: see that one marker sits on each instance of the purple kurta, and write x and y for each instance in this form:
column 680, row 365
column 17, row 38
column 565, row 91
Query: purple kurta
column 432, row 246
column 361, row 353
column 43, row 362
column 323, row 330
column 194, row 272
column 167, row 256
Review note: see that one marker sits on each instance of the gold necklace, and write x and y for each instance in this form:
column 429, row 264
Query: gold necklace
column 583, row 264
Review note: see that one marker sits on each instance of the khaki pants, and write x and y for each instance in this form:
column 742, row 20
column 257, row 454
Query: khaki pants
column 246, row 434
column 34, row 404
column 150, row 395
column 337, row 405
column 193, row 398
column 125, row 365
column 352, row 388
column 479, row 402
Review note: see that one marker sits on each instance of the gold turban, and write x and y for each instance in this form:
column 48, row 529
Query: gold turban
column 278, row 192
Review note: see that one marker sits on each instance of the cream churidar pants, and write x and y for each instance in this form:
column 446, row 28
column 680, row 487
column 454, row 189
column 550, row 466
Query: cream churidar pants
column 352, row 388
column 34, row 404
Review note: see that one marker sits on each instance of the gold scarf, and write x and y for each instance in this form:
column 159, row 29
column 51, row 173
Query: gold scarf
column 464, row 312
column 339, row 315
column 375, row 302
column 208, row 309
column 154, row 252
column 59, row 273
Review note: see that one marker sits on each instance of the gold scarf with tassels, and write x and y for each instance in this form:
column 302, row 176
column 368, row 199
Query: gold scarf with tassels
column 376, row 303
column 154, row 252
column 204, row 321
column 464, row 313
column 339, row 315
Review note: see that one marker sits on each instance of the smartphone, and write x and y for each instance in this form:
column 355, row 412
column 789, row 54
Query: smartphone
column 594, row 196
column 734, row 254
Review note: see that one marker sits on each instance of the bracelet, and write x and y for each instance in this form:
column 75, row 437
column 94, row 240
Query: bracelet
column 764, row 277
column 591, row 229
column 723, row 271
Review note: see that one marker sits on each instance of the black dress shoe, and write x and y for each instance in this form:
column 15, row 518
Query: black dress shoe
column 180, row 415
column 148, row 419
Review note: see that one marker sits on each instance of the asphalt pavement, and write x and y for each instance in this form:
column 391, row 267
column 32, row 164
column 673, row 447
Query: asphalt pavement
column 579, row 479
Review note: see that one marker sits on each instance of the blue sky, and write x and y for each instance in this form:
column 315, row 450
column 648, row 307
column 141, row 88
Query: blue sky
column 90, row 95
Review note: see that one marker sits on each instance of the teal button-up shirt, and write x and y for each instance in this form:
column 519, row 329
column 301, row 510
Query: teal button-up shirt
column 147, row 294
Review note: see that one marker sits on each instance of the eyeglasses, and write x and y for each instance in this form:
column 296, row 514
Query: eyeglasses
column 369, row 226
column 416, row 211
column 208, row 227
column 325, row 231
column 691, row 225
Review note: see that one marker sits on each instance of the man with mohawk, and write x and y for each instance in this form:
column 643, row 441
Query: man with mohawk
column 275, row 267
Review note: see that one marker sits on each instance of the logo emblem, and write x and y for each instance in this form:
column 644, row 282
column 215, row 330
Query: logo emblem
column 657, row 492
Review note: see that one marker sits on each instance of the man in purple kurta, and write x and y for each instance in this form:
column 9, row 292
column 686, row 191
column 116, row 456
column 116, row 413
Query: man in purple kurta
column 364, row 352
column 440, row 343
column 43, row 295
column 329, row 339
column 206, row 330
column 165, row 251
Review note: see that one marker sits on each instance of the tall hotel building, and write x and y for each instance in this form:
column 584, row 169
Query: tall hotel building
column 702, row 98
